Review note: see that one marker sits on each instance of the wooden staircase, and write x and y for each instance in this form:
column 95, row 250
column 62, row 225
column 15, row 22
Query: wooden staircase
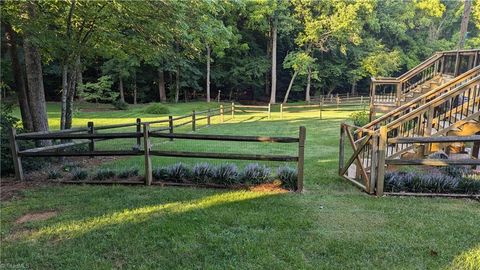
column 429, row 101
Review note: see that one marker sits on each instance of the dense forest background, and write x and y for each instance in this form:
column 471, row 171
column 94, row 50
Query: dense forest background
column 144, row 51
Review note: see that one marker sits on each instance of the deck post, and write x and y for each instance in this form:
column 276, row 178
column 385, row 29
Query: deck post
column 148, row 158
column 382, row 144
column 17, row 161
column 301, row 158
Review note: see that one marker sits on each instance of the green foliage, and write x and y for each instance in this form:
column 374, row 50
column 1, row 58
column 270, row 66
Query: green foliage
column 455, row 171
column 226, row 174
column 288, row 176
column 7, row 121
column 430, row 183
column 54, row 174
column 202, row 173
column 70, row 166
column 104, row 174
column 255, row 174
column 178, row 173
column 156, row 108
column 99, row 91
column 120, row 105
column 128, row 172
column 160, row 173
column 360, row 118
column 79, row 174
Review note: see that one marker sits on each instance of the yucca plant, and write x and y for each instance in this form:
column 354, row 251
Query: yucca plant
column 456, row 171
column 469, row 185
column 160, row 173
column 70, row 166
column 226, row 174
column 128, row 172
column 255, row 174
column 202, row 173
column 178, row 172
column 54, row 174
column 104, row 173
column 79, row 174
column 288, row 177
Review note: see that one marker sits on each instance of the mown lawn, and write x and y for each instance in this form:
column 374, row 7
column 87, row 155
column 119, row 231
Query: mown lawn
column 332, row 225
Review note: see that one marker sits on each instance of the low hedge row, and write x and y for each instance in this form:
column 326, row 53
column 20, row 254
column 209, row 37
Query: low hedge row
column 201, row 173
column 450, row 180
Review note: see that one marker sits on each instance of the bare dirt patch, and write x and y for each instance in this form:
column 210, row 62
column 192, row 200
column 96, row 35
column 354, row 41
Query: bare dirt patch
column 269, row 187
column 35, row 217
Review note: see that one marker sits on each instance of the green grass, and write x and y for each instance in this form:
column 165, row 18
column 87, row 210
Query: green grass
column 332, row 225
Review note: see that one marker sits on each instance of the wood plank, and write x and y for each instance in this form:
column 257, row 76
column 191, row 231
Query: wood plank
column 117, row 135
column 148, row 157
column 81, row 154
column 440, row 139
column 359, row 162
column 223, row 156
column 355, row 154
column 211, row 137
column 17, row 161
column 433, row 162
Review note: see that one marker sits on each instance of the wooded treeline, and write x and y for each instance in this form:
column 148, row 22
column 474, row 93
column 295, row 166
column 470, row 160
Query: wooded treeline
column 176, row 50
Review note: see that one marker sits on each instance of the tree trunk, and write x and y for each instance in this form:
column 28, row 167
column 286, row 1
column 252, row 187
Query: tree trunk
column 208, row 73
column 79, row 79
column 467, row 8
column 72, row 85
column 161, row 86
column 63, row 99
column 177, row 84
column 309, row 83
column 273, row 92
column 120, row 88
column 267, row 76
column 134, row 88
column 36, row 92
column 290, row 87
column 18, row 77
column 354, row 88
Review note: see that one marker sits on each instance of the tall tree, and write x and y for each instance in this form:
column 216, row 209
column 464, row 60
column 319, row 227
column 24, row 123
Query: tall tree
column 17, row 69
column 467, row 9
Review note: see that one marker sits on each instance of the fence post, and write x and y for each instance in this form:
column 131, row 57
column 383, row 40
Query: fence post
column 337, row 99
column 170, row 125
column 281, row 110
column 382, row 144
column 321, row 107
column 193, row 120
column 148, row 158
column 218, row 96
column 221, row 114
column 139, row 130
column 233, row 110
column 341, row 152
column 91, row 130
column 269, row 110
column 361, row 99
column 301, row 158
column 208, row 117
column 17, row 161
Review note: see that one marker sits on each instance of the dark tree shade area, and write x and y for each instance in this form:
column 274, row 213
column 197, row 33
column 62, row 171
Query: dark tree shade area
column 267, row 51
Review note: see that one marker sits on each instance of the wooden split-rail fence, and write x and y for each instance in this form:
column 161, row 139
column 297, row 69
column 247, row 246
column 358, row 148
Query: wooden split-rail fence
column 143, row 134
